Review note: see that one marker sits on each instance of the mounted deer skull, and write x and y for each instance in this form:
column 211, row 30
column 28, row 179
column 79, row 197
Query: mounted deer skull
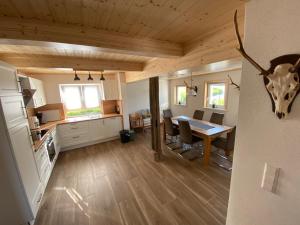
column 281, row 79
column 192, row 89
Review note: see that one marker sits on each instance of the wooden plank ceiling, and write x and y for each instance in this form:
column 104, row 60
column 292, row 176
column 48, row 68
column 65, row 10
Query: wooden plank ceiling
column 128, row 33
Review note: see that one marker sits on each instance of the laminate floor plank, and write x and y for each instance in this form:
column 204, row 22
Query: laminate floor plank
column 120, row 184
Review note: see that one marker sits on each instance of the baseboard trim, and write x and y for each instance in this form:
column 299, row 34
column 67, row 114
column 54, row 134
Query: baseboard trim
column 68, row 148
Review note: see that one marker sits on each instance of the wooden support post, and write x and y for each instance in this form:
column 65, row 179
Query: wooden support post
column 155, row 117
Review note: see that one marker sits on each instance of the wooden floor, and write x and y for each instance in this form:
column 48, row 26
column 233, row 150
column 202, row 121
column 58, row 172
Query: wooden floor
column 114, row 183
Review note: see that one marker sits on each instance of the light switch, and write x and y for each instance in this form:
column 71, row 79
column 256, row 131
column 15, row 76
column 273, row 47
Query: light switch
column 270, row 178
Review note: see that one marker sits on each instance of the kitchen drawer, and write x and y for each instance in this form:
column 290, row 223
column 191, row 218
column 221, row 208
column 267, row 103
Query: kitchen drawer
column 73, row 129
column 75, row 139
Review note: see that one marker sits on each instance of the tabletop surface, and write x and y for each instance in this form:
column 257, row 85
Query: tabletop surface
column 202, row 126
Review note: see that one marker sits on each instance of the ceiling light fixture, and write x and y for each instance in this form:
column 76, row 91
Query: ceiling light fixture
column 90, row 77
column 76, row 77
column 102, row 77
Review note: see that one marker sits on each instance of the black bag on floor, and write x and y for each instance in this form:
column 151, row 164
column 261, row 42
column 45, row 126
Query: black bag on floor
column 125, row 136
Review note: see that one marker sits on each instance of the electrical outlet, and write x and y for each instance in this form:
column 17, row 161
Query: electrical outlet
column 270, row 178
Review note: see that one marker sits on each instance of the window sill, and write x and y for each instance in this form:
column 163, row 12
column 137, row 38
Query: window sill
column 179, row 105
column 216, row 109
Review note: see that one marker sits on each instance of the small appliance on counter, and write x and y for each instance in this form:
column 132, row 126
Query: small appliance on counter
column 39, row 115
column 36, row 135
column 50, row 115
column 33, row 122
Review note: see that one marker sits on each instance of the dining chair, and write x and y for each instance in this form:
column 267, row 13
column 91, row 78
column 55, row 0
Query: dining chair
column 167, row 113
column 172, row 132
column 198, row 114
column 227, row 145
column 217, row 118
column 187, row 138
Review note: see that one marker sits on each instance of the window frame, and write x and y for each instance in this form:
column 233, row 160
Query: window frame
column 176, row 100
column 206, row 89
column 82, row 97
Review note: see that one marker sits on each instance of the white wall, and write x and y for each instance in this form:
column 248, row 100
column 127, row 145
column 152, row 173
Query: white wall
column 51, row 84
column 271, row 31
column 138, row 95
column 197, row 102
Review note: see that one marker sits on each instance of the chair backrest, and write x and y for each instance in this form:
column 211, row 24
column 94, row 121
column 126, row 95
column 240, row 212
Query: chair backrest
column 169, row 126
column 185, row 132
column 198, row 114
column 167, row 113
column 231, row 139
column 217, row 118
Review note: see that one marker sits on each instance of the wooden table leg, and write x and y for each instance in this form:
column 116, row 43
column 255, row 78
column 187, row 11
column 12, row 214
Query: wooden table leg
column 164, row 132
column 207, row 150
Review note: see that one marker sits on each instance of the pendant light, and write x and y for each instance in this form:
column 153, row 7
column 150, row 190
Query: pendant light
column 76, row 77
column 90, row 77
column 102, row 77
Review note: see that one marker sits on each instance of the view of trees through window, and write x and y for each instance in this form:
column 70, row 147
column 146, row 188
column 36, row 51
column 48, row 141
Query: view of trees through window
column 81, row 99
column 181, row 95
column 215, row 95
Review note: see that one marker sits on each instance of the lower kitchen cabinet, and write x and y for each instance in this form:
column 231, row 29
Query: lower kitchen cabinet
column 83, row 133
column 112, row 126
column 24, row 156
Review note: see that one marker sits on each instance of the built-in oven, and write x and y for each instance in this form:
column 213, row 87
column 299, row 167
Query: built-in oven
column 50, row 147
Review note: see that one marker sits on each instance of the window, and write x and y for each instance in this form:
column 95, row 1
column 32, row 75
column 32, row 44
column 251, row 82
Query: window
column 81, row 99
column 215, row 95
column 180, row 95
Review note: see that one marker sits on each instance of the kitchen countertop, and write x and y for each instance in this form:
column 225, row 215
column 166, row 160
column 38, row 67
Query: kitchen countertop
column 51, row 125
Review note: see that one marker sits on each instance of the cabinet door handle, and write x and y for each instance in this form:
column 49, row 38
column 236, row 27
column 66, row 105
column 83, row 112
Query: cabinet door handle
column 76, row 137
column 40, row 198
column 74, row 128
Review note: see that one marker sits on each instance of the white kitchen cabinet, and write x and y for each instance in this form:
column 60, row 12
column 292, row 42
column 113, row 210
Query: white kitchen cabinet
column 72, row 135
column 97, row 130
column 111, row 89
column 9, row 84
column 112, row 126
column 41, row 159
column 38, row 98
column 13, row 109
column 23, row 153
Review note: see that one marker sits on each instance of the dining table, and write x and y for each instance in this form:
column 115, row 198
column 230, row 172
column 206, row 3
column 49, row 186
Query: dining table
column 206, row 130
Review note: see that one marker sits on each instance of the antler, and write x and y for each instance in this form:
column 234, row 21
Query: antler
column 242, row 50
column 295, row 68
column 186, row 84
column 232, row 83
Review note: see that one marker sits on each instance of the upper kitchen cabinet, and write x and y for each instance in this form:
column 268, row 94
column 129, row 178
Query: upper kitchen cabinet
column 9, row 84
column 33, row 90
column 111, row 89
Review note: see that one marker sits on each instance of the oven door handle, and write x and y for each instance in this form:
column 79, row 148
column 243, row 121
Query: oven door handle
column 50, row 143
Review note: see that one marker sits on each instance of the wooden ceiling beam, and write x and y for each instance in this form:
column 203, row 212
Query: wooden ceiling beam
column 45, row 61
column 34, row 30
